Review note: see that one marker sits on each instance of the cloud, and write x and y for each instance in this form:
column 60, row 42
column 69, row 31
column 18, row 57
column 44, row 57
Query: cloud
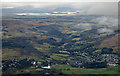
column 103, row 24
column 105, row 30
column 104, row 8
column 98, row 8
column 106, row 20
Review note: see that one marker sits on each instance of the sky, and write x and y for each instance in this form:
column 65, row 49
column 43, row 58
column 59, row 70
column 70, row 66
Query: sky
column 59, row 0
column 99, row 7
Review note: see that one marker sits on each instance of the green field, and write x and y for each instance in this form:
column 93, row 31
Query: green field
column 70, row 70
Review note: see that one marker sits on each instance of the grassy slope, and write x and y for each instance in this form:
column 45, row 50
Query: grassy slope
column 110, row 43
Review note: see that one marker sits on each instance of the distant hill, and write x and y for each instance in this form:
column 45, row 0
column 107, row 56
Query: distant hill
column 30, row 9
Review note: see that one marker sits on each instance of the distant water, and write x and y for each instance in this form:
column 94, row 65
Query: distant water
column 32, row 13
column 39, row 14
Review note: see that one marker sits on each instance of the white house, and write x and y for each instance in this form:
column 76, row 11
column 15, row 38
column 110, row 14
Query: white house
column 47, row 67
column 111, row 64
